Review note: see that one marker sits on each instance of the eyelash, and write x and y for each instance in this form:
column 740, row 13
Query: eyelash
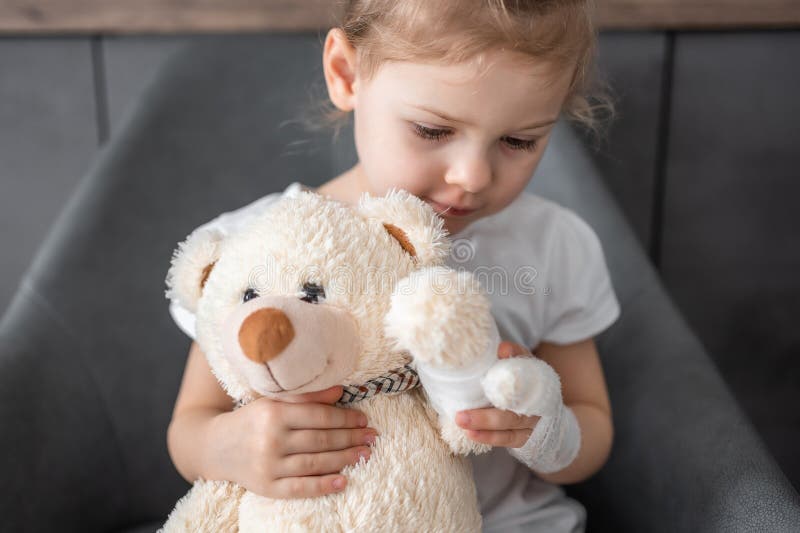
column 435, row 134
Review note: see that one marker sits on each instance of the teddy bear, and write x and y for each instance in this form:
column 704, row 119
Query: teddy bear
column 314, row 293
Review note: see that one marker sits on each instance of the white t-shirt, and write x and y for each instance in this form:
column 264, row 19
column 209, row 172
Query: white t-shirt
column 545, row 273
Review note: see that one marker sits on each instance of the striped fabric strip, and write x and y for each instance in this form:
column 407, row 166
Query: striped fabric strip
column 396, row 381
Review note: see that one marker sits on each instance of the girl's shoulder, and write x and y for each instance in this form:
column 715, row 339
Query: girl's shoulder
column 534, row 226
column 530, row 207
column 547, row 274
column 230, row 221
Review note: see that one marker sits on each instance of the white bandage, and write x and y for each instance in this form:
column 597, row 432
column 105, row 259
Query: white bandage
column 529, row 386
column 554, row 443
column 442, row 318
column 458, row 389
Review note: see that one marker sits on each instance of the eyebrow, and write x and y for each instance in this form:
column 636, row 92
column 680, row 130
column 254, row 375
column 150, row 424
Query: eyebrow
column 451, row 119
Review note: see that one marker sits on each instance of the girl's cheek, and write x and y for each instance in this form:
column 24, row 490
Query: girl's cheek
column 509, row 181
column 407, row 157
column 387, row 168
column 520, row 169
column 394, row 159
column 411, row 176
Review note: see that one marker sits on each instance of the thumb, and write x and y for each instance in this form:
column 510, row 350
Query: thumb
column 330, row 395
column 508, row 349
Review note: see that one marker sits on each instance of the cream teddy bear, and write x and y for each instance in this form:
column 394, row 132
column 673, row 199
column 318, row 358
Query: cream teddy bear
column 314, row 293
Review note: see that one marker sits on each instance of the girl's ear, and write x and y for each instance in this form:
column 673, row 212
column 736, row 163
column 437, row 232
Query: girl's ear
column 339, row 67
column 411, row 222
column 191, row 265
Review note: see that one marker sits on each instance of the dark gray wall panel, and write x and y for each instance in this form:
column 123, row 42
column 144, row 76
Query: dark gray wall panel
column 633, row 65
column 731, row 252
column 130, row 63
column 47, row 138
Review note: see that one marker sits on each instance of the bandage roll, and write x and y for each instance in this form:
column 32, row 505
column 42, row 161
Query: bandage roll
column 452, row 390
column 529, row 386
column 553, row 444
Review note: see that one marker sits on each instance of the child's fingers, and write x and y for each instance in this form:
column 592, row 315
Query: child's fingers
column 314, row 464
column 491, row 418
column 315, row 440
column 308, row 487
column 329, row 395
column 514, row 438
column 508, row 349
column 317, row 416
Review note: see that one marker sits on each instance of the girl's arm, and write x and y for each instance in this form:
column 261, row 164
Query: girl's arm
column 200, row 399
column 583, row 389
column 290, row 449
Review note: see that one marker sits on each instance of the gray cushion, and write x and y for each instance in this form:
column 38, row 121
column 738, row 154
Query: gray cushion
column 685, row 457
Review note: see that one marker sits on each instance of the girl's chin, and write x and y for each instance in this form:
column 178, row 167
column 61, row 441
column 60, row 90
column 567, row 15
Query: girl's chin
column 454, row 226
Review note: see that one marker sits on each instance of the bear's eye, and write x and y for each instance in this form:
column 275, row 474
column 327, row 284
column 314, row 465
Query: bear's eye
column 249, row 294
column 312, row 293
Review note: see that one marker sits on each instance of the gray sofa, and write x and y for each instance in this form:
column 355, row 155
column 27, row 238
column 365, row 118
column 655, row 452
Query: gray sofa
column 90, row 360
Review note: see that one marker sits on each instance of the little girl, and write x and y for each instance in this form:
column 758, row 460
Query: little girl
column 453, row 101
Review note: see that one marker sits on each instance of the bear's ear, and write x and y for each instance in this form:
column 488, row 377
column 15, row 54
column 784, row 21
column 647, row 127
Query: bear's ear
column 412, row 222
column 191, row 265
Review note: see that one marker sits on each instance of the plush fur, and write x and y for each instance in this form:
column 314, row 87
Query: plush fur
column 327, row 273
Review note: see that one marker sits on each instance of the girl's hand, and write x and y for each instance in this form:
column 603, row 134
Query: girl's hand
column 291, row 449
column 498, row 427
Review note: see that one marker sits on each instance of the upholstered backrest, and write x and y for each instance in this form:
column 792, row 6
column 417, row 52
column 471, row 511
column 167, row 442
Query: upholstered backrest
column 90, row 360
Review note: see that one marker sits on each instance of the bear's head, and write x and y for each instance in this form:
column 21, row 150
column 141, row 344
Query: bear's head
column 295, row 301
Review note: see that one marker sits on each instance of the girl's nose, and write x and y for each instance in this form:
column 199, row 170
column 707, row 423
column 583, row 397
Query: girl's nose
column 473, row 174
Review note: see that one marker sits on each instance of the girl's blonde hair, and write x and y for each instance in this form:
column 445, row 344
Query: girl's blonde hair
column 558, row 32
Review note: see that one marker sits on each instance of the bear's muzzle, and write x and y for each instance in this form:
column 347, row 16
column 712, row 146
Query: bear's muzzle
column 264, row 334
column 284, row 344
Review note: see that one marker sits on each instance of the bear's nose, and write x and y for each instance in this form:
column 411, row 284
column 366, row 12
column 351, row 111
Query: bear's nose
column 264, row 334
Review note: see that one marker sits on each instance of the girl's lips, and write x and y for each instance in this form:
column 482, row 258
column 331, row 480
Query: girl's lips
column 447, row 210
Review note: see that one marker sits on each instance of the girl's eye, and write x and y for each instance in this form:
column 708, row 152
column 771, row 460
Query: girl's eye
column 249, row 294
column 520, row 144
column 312, row 292
column 433, row 134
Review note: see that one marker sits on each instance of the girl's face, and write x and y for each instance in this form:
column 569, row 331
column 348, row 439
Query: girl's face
column 465, row 140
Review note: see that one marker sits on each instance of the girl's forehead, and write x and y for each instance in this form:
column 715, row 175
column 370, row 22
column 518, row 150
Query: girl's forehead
column 501, row 84
column 486, row 67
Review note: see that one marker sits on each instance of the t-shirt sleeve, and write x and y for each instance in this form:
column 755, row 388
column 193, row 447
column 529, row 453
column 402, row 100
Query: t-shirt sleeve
column 581, row 302
column 183, row 318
